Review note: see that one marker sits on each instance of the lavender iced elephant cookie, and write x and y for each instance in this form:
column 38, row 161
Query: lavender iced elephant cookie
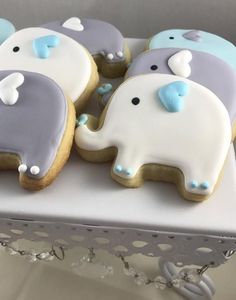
column 203, row 68
column 160, row 127
column 195, row 40
column 36, row 127
column 54, row 55
column 103, row 40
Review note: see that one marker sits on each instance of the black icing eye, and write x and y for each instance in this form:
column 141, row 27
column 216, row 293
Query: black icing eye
column 154, row 67
column 16, row 49
column 135, row 101
column 171, row 38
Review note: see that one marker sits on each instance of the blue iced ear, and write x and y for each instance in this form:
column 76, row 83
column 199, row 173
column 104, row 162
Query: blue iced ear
column 42, row 45
column 6, row 29
column 171, row 95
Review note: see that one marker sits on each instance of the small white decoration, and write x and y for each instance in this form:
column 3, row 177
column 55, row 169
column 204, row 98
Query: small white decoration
column 179, row 63
column 120, row 54
column 8, row 88
column 73, row 24
column 22, row 168
column 34, row 170
column 110, row 56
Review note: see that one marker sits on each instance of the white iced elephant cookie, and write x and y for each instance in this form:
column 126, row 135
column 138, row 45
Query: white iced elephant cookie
column 164, row 127
column 54, row 55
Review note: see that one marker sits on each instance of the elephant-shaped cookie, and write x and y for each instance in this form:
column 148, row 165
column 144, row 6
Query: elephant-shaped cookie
column 203, row 68
column 55, row 55
column 36, row 127
column 195, row 40
column 160, row 127
column 103, row 40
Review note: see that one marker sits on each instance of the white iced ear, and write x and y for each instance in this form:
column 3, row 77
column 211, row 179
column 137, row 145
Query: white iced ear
column 179, row 63
column 73, row 24
column 8, row 88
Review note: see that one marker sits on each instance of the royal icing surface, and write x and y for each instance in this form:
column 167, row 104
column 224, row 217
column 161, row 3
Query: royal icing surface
column 97, row 36
column 65, row 61
column 6, row 29
column 34, row 125
column 8, row 88
column 179, row 63
column 206, row 69
column 195, row 40
column 195, row 140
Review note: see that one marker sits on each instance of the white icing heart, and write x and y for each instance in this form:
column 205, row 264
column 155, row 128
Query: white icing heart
column 8, row 88
column 179, row 63
column 73, row 24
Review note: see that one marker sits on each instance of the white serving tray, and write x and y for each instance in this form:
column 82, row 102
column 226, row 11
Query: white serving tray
column 84, row 193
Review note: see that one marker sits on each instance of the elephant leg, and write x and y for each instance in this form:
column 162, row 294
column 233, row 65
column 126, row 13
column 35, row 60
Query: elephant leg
column 202, row 178
column 35, row 163
column 127, row 163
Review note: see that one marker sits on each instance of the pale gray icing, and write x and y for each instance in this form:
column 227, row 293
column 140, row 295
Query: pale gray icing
column 34, row 126
column 98, row 37
column 193, row 35
column 206, row 69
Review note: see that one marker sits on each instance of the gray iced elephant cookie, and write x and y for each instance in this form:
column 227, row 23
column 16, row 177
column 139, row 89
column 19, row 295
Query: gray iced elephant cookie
column 36, row 127
column 160, row 127
column 203, row 68
column 103, row 40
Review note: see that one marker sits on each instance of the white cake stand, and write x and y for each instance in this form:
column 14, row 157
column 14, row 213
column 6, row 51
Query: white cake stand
column 85, row 207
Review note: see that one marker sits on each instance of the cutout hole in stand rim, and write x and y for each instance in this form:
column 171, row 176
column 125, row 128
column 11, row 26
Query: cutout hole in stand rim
column 101, row 240
column 4, row 236
column 41, row 234
column 17, row 231
column 203, row 250
column 139, row 244
column 120, row 248
column 164, row 247
column 77, row 238
column 61, row 242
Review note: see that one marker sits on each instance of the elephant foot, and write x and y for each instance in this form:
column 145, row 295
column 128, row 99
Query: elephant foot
column 34, row 170
column 123, row 172
column 195, row 185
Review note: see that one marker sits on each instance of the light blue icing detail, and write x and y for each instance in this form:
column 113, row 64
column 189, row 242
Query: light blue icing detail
column 194, row 184
column 6, row 29
column 171, row 95
column 42, row 45
column 83, row 119
column 118, row 169
column 209, row 43
column 128, row 172
column 204, row 185
column 104, row 89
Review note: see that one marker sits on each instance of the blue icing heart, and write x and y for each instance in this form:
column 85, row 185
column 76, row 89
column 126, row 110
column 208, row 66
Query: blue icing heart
column 42, row 45
column 195, row 40
column 171, row 95
column 104, row 89
column 6, row 29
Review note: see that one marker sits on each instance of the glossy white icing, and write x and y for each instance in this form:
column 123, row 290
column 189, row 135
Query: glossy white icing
column 68, row 64
column 179, row 63
column 8, row 88
column 195, row 140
